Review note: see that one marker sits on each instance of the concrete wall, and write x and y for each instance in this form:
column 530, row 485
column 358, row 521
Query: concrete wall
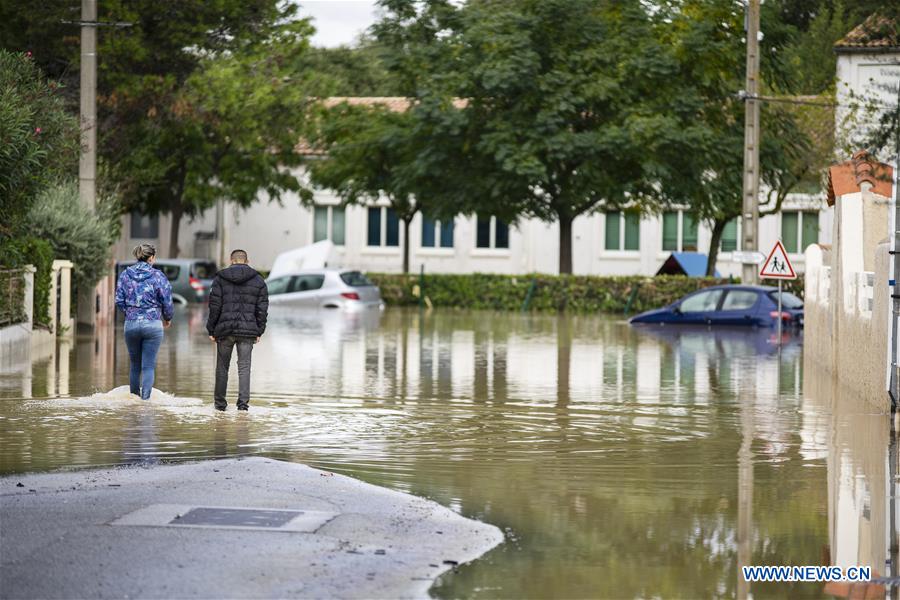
column 269, row 228
column 846, row 311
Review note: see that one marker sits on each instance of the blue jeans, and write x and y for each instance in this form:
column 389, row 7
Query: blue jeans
column 143, row 339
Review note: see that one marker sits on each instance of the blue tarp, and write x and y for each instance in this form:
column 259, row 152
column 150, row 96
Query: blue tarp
column 692, row 264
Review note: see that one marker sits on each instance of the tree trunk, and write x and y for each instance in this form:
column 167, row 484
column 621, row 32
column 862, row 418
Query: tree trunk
column 406, row 223
column 177, row 208
column 714, row 242
column 565, row 244
column 173, row 231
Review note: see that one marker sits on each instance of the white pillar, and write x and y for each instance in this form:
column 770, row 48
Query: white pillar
column 28, row 300
column 64, row 268
column 54, row 287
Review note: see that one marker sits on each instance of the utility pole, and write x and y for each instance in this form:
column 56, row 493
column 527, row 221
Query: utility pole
column 87, row 164
column 87, row 301
column 750, row 219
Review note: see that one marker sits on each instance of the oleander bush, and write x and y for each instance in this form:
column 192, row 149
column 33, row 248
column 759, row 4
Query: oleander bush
column 575, row 293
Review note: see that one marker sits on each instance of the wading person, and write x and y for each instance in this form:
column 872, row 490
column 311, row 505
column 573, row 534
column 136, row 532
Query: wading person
column 145, row 296
column 238, row 306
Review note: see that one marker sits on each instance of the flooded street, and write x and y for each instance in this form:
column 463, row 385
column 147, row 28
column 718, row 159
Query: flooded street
column 620, row 462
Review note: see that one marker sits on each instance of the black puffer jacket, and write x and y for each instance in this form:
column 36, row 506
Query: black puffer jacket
column 238, row 303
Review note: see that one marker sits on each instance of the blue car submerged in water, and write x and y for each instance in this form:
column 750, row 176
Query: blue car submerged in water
column 729, row 305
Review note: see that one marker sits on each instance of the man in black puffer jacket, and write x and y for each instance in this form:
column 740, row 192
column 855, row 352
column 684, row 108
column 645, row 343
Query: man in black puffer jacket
column 238, row 307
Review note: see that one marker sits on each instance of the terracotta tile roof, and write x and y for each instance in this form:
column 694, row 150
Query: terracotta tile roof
column 846, row 177
column 875, row 33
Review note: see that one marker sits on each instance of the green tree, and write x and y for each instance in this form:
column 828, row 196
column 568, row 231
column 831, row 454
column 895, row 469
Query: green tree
column 375, row 152
column 38, row 138
column 201, row 101
column 357, row 70
column 706, row 39
column 565, row 110
column 370, row 153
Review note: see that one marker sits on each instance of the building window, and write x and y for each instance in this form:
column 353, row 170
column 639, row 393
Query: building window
column 679, row 231
column 491, row 232
column 144, row 226
column 623, row 231
column 799, row 230
column 384, row 227
column 328, row 224
column 437, row 234
column 729, row 241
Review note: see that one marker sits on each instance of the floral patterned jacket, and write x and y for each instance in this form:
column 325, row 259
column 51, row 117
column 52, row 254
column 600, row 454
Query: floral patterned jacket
column 144, row 294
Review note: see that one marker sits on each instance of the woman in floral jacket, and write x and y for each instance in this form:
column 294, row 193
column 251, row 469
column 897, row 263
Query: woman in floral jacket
column 145, row 296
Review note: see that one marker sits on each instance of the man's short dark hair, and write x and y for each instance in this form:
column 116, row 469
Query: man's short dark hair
column 239, row 255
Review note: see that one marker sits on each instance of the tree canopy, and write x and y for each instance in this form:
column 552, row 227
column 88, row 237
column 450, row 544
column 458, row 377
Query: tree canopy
column 203, row 101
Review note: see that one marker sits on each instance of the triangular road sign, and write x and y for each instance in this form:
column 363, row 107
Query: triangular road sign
column 777, row 265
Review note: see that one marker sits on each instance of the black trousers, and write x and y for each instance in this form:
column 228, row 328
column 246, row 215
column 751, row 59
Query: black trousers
column 224, row 348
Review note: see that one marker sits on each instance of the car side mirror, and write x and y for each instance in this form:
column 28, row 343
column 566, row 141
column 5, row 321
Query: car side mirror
column 677, row 309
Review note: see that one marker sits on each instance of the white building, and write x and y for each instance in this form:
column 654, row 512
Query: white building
column 868, row 74
column 370, row 238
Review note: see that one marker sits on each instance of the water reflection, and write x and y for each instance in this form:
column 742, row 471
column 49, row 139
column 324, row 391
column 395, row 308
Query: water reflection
column 622, row 461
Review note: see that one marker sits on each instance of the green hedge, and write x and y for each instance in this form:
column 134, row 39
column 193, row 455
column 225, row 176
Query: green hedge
column 18, row 252
column 576, row 293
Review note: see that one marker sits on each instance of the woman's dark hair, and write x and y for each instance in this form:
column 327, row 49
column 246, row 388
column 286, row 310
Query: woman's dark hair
column 142, row 252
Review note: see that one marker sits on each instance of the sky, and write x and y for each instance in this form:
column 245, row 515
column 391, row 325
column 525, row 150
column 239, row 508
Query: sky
column 338, row 21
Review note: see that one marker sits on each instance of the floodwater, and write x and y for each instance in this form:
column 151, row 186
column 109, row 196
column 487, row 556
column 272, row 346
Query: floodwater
column 619, row 461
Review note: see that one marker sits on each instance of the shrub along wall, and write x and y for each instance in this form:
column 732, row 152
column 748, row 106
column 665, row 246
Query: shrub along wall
column 576, row 293
column 18, row 252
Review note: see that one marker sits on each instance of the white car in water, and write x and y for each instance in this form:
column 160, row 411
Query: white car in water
column 324, row 288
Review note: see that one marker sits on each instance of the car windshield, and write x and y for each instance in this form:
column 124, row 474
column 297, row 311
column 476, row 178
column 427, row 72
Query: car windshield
column 278, row 286
column 204, row 270
column 355, row 279
column 788, row 300
column 171, row 271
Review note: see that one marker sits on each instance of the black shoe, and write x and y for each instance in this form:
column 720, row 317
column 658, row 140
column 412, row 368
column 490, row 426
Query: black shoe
column 220, row 408
column 243, row 408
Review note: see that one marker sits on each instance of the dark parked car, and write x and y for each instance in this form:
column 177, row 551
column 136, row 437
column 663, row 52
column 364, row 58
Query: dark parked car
column 729, row 305
column 190, row 277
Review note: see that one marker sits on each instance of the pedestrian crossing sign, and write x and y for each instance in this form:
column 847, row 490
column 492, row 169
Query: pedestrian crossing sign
column 777, row 265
